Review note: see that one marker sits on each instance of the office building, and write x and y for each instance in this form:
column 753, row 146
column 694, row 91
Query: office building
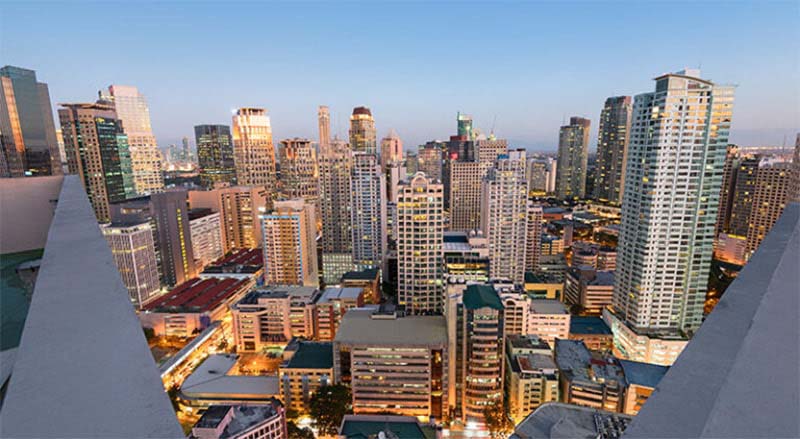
column 429, row 160
column 744, row 187
column 727, row 190
column 420, row 224
column 476, row 353
column 253, row 150
column 393, row 364
column 770, row 196
column 367, row 193
column 335, row 167
column 299, row 171
column 308, row 367
column 531, row 380
column 239, row 208
column 368, row 280
column 465, row 194
column 134, row 114
column 28, row 144
column 331, row 307
column 533, row 237
column 242, row 422
column 591, row 290
column 290, row 244
column 97, row 150
column 488, row 150
column 205, row 229
column 505, row 216
column 669, row 208
column 573, row 156
column 215, row 155
column 273, row 315
column 612, row 149
column 589, row 379
column 135, row 256
column 324, row 123
column 466, row 256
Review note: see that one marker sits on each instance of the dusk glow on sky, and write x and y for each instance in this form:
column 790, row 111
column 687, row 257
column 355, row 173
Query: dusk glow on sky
column 529, row 66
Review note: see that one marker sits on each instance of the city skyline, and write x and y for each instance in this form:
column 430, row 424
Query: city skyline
column 522, row 77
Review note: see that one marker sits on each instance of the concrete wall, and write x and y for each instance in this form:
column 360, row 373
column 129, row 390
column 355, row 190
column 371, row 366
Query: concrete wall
column 27, row 206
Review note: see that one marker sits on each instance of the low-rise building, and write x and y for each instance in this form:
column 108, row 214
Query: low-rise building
column 607, row 259
column 731, row 248
column 191, row 306
column 548, row 319
column 237, row 264
column 385, row 426
column 392, row 363
column 267, row 421
column 588, row 378
column 593, row 331
column 544, row 285
column 212, row 383
column 589, row 289
column 309, row 367
column 554, row 266
column 552, row 245
column 331, row 306
column 641, row 380
column 368, row 279
column 655, row 347
column 271, row 316
column 554, row 420
column 531, row 380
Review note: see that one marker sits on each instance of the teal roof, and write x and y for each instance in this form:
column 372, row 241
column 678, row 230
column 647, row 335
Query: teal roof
column 15, row 296
column 482, row 296
column 354, row 429
column 312, row 355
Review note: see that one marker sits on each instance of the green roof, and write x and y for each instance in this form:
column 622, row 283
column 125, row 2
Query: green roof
column 312, row 355
column 354, row 429
column 482, row 296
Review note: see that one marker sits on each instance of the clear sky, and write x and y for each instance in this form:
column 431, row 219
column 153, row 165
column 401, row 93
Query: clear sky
column 527, row 64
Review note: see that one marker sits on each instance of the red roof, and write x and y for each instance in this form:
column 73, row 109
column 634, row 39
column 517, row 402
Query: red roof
column 198, row 295
column 240, row 257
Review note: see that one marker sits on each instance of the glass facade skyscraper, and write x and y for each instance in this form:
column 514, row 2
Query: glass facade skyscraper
column 215, row 155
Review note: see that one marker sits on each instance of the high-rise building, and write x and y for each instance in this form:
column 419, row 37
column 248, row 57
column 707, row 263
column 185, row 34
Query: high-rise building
column 465, row 194
column 367, row 193
column 429, row 160
column 135, row 256
column 324, row 121
column 300, row 171
column 335, row 167
column 465, row 126
column 290, row 244
column 420, row 224
column 391, row 150
column 505, row 216
column 28, row 144
column 476, row 333
column 794, row 190
column 742, row 197
column 205, row 227
column 539, row 175
column 132, row 111
column 171, row 212
column 573, row 157
column 186, row 154
column 253, row 150
column 533, row 238
column 676, row 158
column 488, row 150
column 215, row 155
column 770, row 196
column 612, row 149
column 727, row 190
column 239, row 208
column 97, row 150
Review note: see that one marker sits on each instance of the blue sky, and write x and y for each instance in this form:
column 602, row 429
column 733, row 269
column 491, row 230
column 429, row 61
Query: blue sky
column 529, row 64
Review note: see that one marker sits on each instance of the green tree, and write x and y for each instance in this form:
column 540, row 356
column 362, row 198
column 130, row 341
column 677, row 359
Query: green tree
column 296, row 432
column 497, row 421
column 328, row 406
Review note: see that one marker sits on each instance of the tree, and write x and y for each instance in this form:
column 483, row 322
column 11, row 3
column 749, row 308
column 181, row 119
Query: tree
column 497, row 422
column 296, row 432
column 328, row 406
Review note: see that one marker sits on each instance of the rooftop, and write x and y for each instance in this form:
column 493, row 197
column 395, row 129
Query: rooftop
column 240, row 257
column 359, row 326
column 588, row 325
column 244, row 417
column 553, row 420
column 197, row 295
column 211, row 381
column 339, row 293
column 743, row 359
column 312, row 355
column 306, row 294
column 368, row 274
column 534, row 362
column 603, row 278
column 548, row 306
column 200, row 213
column 371, row 426
column 578, row 363
column 527, row 342
column 83, row 362
column 541, row 278
column 643, row 374
column 482, row 296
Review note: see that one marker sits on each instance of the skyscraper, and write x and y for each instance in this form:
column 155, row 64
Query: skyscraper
column 504, row 211
column 335, row 166
column 28, row 144
column 324, row 120
column 97, row 150
column 186, row 154
column 391, row 150
column 770, row 196
column 215, row 155
column 253, row 150
column 239, row 208
column 132, row 111
column 742, row 197
column 676, row 157
column 727, row 190
column 420, row 225
column 465, row 194
column 135, row 256
column 368, row 193
column 299, row 170
column 533, row 239
column 171, row 212
column 429, row 160
column 290, row 244
column 573, row 155
column 612, row 149
column 465, row 126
